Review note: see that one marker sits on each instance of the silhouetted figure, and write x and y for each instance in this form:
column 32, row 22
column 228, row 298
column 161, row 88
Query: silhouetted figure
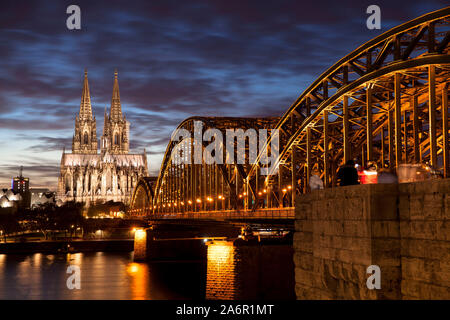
column 347, row 174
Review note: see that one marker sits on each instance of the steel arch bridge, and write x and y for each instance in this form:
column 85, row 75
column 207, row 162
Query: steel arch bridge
column 386, row 101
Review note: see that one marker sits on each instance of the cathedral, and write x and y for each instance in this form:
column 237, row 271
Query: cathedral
column 90, row 176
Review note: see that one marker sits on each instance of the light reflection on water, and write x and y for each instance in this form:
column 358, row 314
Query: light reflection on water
column 230, row 272
column 103, row 276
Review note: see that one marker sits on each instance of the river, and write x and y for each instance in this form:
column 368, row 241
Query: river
column 228, row 272
column 103, row 276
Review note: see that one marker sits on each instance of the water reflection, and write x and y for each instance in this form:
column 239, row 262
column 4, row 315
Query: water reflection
column 139, row 278
column 232, row 270
column 103, row 276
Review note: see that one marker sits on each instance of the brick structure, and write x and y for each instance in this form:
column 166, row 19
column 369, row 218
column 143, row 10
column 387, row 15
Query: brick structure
column 403, row 228
column 241, row 270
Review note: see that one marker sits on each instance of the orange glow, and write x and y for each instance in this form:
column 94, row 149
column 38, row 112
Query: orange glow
column 245, row 193
column 189, row 201
column 199, row 200
column 284, row 190
column 221, row 269
column 140, row 234
column 289, row 187
column 259, row 193
column 264, row 190
column 138, row 272
column 182, row 203
column 133, row 268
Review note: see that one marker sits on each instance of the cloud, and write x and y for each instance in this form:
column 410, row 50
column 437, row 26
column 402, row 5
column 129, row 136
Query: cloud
column 175, row 59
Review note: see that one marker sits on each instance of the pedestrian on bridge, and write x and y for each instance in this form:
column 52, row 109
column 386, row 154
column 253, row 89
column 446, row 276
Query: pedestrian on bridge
column 315, row 182
column 347, row 174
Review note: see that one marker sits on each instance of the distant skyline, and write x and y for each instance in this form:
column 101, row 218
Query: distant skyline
column 175, row 60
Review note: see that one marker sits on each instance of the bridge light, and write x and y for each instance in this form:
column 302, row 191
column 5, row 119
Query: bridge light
column 182, row 203
column 284, row 190
column 240, row 196
column 264, row 190
column 169, row 205
column 289, row 187
column 199, row 200
column 245, row 193
column 164, row 205
column 140, row 234
column 259, row 193
column 189, row 201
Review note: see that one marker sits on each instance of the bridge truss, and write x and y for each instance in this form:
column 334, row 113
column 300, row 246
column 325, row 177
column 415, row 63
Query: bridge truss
column 387, row 101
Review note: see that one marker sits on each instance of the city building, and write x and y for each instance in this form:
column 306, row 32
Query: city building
column 21, row 185
column 90, row 176
column 40, row 196
column 10, row 199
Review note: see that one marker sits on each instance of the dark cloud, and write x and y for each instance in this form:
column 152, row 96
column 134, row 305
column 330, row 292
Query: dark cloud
column 50, row 144
column 176, row 59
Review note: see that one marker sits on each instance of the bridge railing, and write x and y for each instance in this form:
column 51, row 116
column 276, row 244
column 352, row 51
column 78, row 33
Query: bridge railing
column 270, row 213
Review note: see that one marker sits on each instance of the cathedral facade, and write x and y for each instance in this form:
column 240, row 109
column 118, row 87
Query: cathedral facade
column 92, row 176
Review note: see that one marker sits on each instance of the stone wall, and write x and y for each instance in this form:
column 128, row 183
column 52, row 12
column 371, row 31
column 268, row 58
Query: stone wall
column 425, row 239
column 403, row 229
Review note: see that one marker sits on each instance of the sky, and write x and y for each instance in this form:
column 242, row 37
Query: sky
column 175, row 59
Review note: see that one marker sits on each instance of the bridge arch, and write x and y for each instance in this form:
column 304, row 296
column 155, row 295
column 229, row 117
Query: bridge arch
column 141, row 204
column 386, row 101
column 185, row 184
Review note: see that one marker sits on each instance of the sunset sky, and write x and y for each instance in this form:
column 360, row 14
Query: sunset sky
column 175, row 59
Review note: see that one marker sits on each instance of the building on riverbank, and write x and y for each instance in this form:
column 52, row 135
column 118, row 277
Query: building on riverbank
column 92, row 177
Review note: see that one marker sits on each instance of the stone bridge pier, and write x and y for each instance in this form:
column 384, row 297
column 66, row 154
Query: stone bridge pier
column 402, row 228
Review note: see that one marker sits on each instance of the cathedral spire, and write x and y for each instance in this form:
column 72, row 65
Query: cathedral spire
column 85, row 105
column 116, row 109
column 85, row 137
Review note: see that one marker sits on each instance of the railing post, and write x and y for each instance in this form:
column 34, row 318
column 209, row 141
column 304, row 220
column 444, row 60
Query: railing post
column 432, row 113
column 347, row 151
column 445, row 143
column 369, row 126
column 415, row 129
column 397, row 111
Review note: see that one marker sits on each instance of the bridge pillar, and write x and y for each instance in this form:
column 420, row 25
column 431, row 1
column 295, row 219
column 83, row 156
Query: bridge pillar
column 140, row 244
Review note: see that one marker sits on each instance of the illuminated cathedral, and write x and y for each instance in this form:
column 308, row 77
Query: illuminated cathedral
column 88, row 175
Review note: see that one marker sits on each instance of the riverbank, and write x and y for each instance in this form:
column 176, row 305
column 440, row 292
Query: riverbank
column 125, row 245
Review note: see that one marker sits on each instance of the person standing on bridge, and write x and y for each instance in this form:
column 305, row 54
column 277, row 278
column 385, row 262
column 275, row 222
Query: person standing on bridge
column 347, row 174
column 315, row 182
